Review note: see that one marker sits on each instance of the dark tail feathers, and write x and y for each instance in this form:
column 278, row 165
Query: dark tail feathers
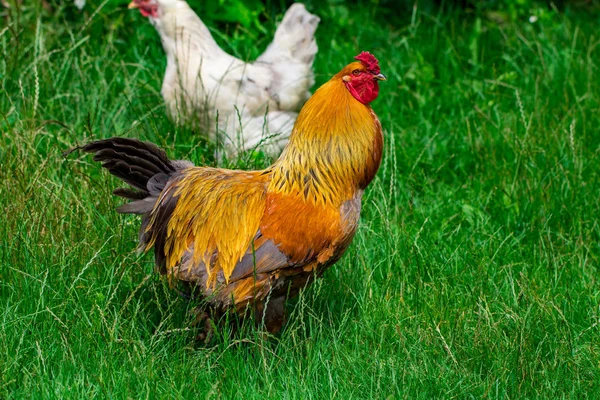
column 142, row 165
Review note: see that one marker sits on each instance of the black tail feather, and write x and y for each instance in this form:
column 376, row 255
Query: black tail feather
column 129, row 193
column 142, row 165
column 148, row 170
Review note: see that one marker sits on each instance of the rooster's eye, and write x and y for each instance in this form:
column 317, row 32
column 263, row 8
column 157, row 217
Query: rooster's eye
column 356, row 72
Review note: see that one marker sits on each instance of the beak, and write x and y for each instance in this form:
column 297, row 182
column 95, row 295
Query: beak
column 133, row 5
column 380, row 77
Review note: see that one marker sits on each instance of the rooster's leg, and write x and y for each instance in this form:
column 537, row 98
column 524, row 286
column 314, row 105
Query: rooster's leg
column 272, row 313
column 203, row 321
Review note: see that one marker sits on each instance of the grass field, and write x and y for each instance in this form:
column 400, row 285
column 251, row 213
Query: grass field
column 474, row 272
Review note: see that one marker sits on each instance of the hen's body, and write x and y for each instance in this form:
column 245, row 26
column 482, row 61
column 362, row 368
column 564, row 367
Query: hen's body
column 253, row 101
column 245, row 237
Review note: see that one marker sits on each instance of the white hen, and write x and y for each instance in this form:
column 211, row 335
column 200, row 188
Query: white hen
column 256, row 103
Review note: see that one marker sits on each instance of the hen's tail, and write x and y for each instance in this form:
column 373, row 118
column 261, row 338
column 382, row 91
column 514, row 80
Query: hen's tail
column 294, row 38
column 142, row 165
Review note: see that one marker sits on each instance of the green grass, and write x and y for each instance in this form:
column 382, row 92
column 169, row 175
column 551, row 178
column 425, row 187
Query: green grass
column 474, row 272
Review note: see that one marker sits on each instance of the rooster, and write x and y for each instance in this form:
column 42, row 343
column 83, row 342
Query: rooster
column 256, row 103
column 250, row 239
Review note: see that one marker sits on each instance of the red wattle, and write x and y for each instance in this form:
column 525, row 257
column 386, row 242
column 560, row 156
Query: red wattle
column 363, row 91
column 151, row 11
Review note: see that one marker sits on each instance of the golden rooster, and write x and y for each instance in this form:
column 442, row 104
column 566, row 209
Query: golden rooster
column 254, row 103
column 253, row 238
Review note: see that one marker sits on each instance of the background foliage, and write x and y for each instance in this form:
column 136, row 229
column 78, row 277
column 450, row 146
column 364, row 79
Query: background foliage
column 475, row 269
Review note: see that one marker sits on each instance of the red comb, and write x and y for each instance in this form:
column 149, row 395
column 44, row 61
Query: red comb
column 369, row 61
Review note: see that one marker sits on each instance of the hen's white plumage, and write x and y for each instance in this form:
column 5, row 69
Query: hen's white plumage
column 256, row 102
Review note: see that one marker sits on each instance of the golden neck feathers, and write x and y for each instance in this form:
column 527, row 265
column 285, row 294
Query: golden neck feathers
column 334, row 150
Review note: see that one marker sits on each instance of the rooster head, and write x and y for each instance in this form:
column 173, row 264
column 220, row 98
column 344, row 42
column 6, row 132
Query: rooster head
column 362, row 77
